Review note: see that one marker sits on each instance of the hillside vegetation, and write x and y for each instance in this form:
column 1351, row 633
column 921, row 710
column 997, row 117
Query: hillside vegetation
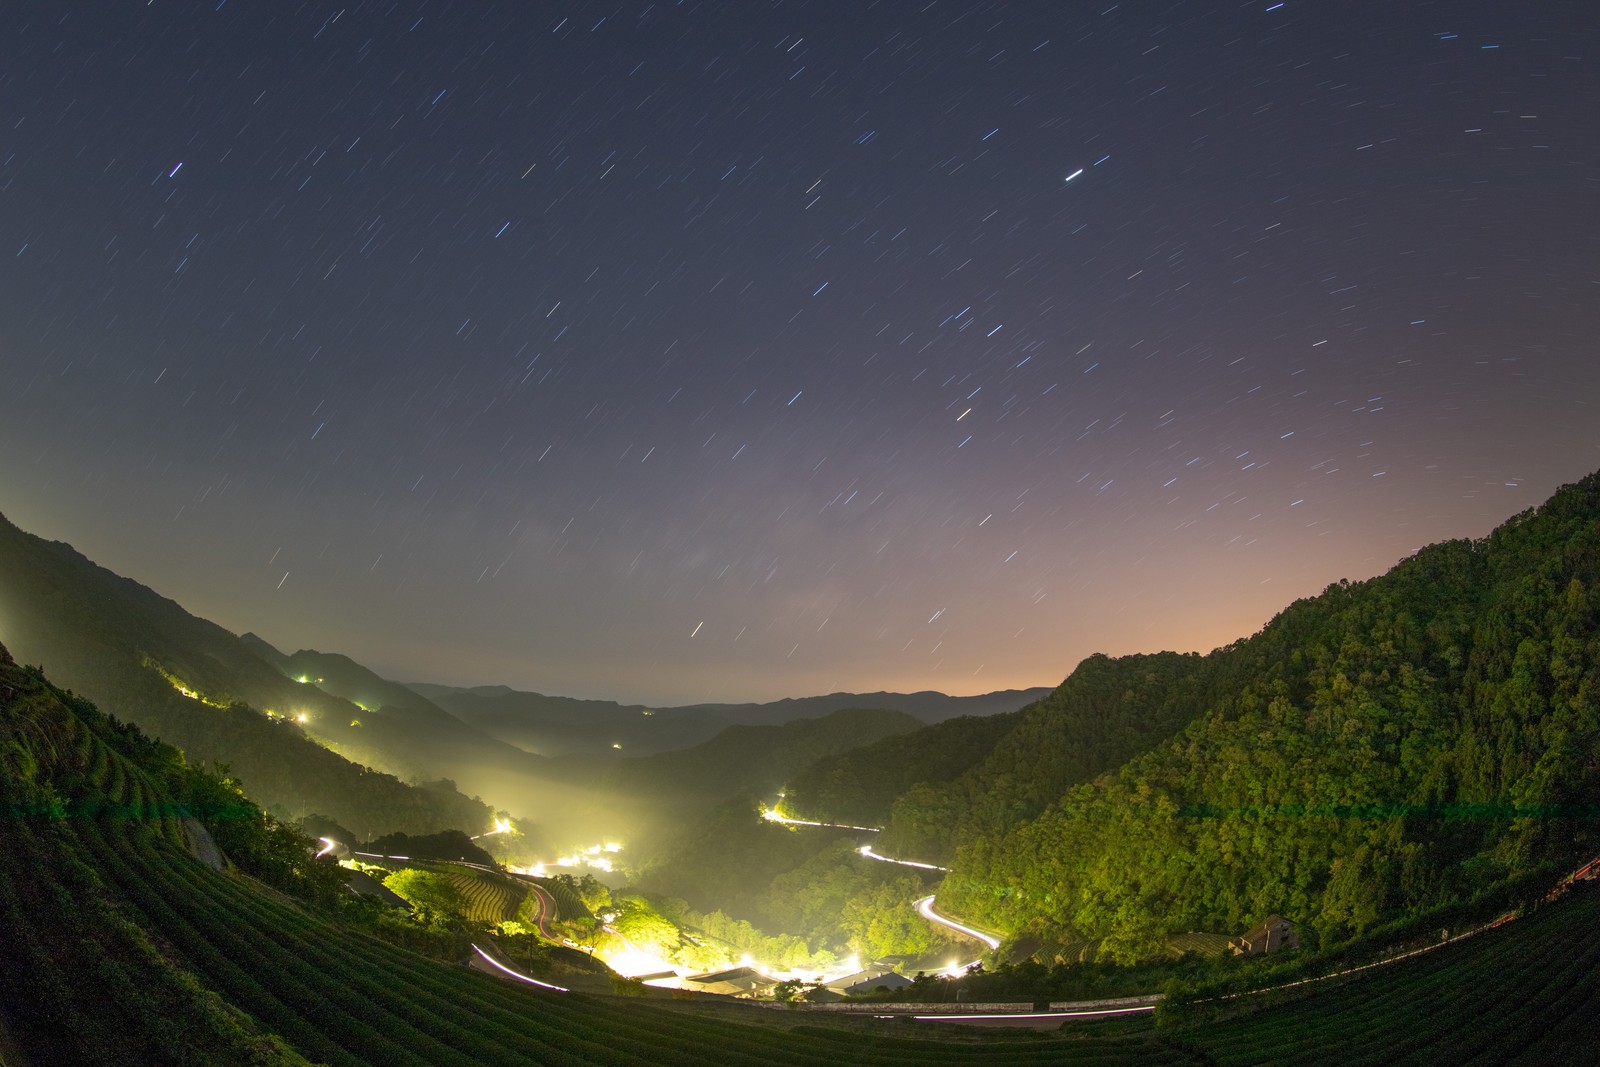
column 984, row 775
column 859, row 787
column 1387, row 755
column 1387, row 750
column 127, row 648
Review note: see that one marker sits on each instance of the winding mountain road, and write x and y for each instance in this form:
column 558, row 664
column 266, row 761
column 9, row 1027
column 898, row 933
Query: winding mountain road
column 925, row 909
column 547, row 908
column 925, row 905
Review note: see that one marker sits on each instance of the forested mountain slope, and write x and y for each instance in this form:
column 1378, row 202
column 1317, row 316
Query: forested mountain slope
column 971, row 777
column 1386, row 748
column 335, row 673
column 966, row 776
column 860, row 786
column 121, row 644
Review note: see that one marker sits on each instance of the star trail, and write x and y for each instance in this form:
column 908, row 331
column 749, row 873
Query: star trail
column 687, row 351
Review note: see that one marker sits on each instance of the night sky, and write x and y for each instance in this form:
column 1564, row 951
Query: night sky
column 682, row 351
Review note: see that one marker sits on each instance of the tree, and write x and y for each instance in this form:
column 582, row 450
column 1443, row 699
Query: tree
column 431, row 895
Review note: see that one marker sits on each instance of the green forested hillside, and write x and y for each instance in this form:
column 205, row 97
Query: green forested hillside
column 1105, row 713
column 124, row 646
column 1387, row 751
column 966, row 779
column 1386, row 748
column 860, row 786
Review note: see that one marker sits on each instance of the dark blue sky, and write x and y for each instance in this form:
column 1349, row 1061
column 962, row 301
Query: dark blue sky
column 684, row 351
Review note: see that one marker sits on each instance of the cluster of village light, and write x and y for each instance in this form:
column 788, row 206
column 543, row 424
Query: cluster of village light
column 595, row 856
column 633, row 960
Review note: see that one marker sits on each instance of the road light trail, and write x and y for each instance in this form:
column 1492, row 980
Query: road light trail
column 866, row 850
column 1008, row 1016
column 515, row 974
column 925, row 909
column 547, row 907
column 925, row 905
column 771, row 815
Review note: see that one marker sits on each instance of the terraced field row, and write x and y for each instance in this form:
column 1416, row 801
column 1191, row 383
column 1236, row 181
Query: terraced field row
column 83, row 985
column 490, row 898
column 113, row 782
column 1526, row 993
column 344, row 998
column 1204, row 944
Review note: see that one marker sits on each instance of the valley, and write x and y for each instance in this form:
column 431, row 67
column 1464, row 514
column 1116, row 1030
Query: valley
column 788, row 858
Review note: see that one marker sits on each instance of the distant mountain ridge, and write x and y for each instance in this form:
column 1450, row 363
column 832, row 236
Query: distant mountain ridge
column 317, row 733
column 556, row 725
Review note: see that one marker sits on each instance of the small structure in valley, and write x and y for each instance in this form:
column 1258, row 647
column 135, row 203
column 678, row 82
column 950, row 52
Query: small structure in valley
column 1272, row 934
column 738, row 982
column 867, row 981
